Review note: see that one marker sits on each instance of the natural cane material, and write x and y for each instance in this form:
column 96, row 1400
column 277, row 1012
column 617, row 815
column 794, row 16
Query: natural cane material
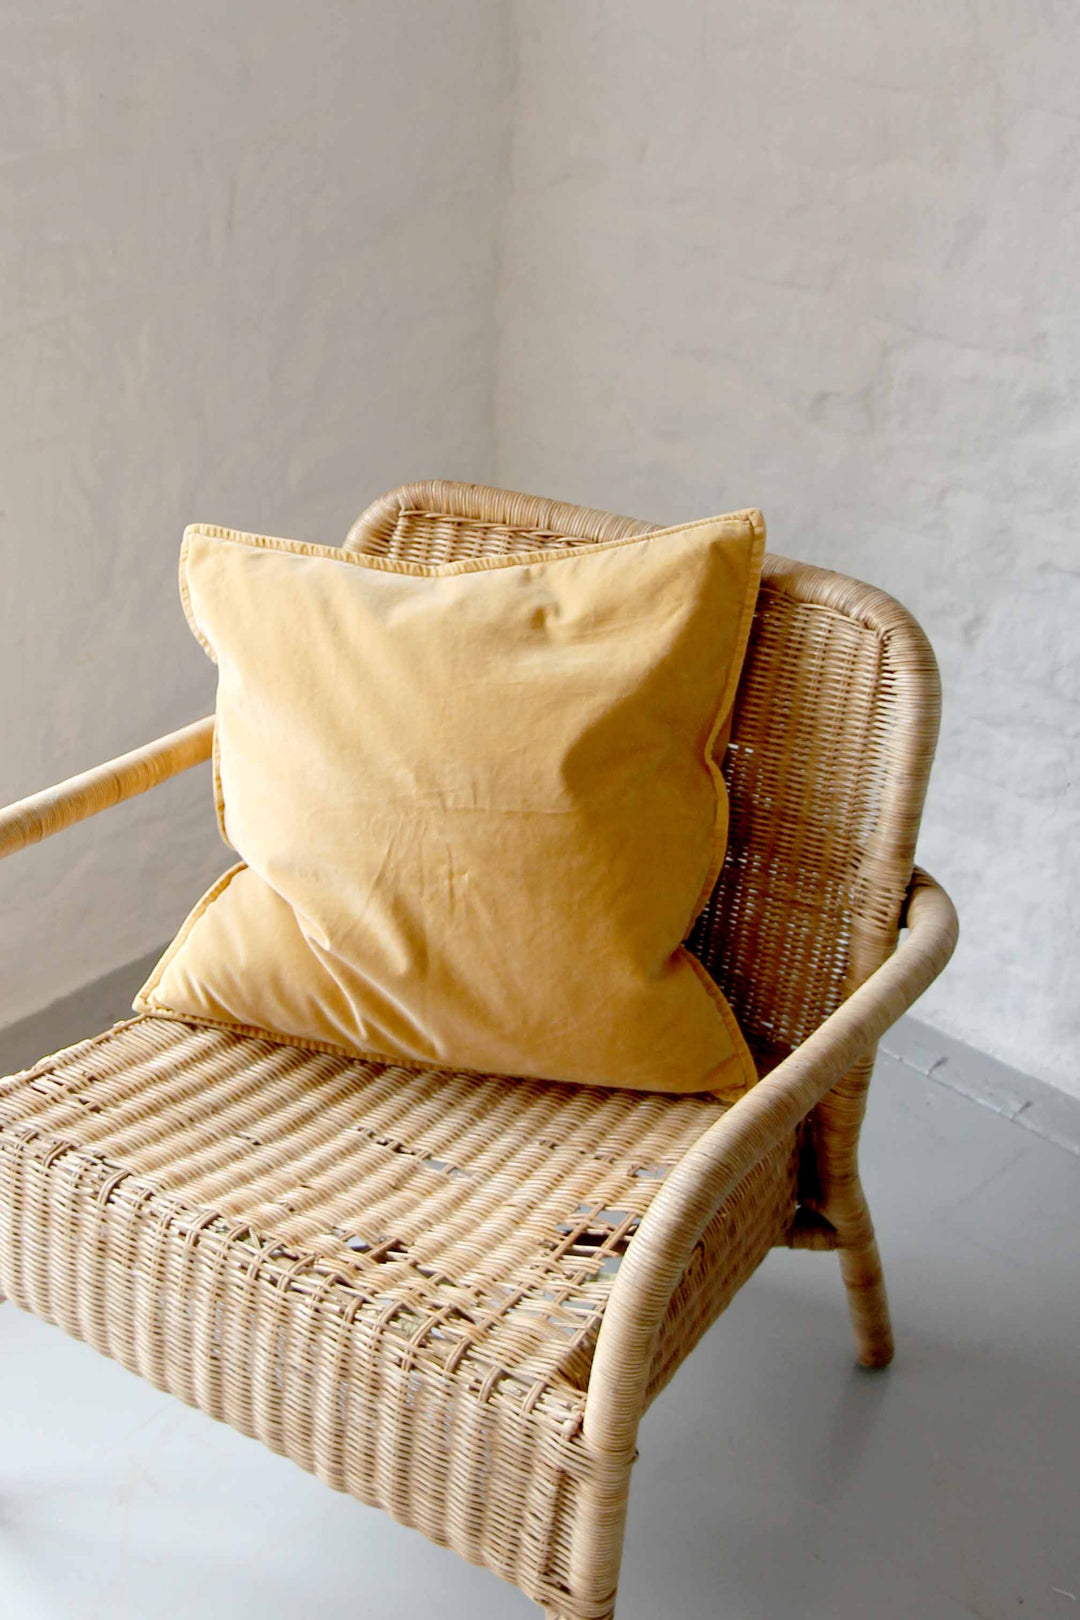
column 454, row 1296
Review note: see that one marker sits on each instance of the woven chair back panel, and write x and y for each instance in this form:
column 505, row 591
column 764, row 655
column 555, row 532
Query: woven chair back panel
column 805, row 768
column 821, row 841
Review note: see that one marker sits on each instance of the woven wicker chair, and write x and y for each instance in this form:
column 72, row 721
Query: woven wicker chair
column 454, row 1297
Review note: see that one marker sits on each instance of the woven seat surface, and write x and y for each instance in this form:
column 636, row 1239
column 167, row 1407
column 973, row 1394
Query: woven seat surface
column 356, row 1262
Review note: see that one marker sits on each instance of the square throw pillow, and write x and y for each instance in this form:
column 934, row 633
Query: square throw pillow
column 478, row 804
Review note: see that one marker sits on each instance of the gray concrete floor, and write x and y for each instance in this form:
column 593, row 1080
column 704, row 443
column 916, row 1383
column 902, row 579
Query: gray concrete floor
column 776, row 1482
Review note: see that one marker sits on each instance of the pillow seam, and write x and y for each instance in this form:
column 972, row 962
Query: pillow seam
column 739, row 522
column 726, row 705
column 202, row 905
column 310, row 1043
column 740, row 1053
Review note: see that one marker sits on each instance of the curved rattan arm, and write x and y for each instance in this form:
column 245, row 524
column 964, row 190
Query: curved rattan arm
column 730, row 1149
column 30, row 820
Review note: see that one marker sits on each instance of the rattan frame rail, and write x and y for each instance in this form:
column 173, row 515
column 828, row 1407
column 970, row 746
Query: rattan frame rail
column 817, row 1089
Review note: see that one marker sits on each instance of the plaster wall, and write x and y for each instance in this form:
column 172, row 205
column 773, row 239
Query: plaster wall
column 248, row 271
column 257, row 264
column 823, row 258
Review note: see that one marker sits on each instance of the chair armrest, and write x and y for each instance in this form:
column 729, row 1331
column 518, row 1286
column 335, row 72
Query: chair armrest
column 708, row 1174
column 30, row 820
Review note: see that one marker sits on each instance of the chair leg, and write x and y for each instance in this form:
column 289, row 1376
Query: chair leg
column 860, row 1268
column 842, row 1200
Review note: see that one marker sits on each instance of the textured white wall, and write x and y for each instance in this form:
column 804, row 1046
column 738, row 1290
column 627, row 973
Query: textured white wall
column 248, row 267
column 821, row 257
column 824, row 258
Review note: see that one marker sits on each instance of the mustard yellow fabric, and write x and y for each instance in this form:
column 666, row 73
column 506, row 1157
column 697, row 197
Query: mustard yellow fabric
column 477, row 803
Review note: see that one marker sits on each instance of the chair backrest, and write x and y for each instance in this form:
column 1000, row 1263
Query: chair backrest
column 831, row 744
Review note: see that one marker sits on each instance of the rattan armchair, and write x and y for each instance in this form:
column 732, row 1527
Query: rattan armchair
column 455, row 1297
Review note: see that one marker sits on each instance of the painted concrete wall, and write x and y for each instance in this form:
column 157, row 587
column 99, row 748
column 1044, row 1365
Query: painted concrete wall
column 823, row 258
column 248, row 267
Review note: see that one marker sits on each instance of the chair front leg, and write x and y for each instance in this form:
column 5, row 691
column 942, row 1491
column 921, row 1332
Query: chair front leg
column 841, row 1200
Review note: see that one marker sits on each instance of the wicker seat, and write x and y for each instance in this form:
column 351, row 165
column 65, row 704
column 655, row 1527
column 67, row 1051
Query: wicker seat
column 451, row 1296
column 370, row 1269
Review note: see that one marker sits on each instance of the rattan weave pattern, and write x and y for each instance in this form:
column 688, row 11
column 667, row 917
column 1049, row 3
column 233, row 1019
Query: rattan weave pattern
column 455, row 1295
column 373, row 1270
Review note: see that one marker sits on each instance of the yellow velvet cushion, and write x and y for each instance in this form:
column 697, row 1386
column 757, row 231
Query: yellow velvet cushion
column 477, row 803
